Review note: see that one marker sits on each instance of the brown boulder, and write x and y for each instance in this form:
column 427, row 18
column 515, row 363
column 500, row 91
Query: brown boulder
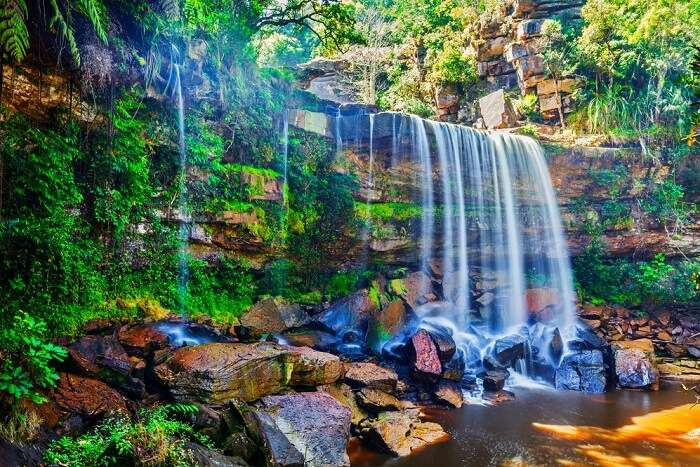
column 87, row 397
column 365, row 374
column 400, row 433
column 220, row 372
column 450, row 393
column 424, row 356
column 416, row 289
column 142, row 339
column 273, row 315
column 375, row 400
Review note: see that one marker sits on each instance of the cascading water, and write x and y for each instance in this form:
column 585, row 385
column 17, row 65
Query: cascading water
column 488, row 210
column 183, row 270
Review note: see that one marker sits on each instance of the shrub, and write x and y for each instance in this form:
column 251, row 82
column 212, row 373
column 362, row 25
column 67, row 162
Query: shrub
column 156, row 437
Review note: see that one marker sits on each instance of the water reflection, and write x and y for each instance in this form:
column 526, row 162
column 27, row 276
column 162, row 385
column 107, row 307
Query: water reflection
column 545, row 427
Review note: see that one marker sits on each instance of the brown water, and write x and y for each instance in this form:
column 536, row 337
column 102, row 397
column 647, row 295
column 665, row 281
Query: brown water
column 547, row 427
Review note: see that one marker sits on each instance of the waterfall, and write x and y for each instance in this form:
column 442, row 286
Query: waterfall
column 183, row 233
column 489, row 216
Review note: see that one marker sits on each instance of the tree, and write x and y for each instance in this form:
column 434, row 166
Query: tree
column 557, row 55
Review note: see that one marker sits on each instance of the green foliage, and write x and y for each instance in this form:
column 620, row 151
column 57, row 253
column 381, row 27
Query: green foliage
column 27, row 358
column 666, row 205
column 341, row 284
column 387, row 211
column 625, row 282
column 157, row 435
column 14, row 36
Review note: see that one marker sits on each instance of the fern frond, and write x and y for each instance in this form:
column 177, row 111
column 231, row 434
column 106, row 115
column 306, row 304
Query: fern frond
column 61, row 26
column 171, row 8
column 14, row 36
column 95, row 11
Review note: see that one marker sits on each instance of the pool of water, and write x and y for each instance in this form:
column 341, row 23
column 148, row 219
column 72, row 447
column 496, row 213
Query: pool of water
column 547, row 427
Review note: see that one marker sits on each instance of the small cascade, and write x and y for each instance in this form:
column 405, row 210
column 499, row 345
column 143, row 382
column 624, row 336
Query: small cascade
column 183, row 234
column 488, row 215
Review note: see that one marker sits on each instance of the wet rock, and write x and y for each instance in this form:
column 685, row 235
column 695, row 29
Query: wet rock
column 497, row 397
column 509, row 349
column 273, row 315
column 205, row 457
column 87, row 397
column 142, row 339
column 385, row 324
column 239, row 445
column 399, row 433
column 375, row 400
column 635, row 365
column 103, row 357
column 220, row 372
column 444, row 343
column 309, row 429
column 587, row 339
column 319, row 340
column 497, row 111
column 346, row 396
column 495, row 380
column 365, row 374
column 416, row 289
column 454, row 369
column 96, row 326
column 582, row 371
column 556, row 345
column 424, row 356
column 351, row 312
column 450, row 393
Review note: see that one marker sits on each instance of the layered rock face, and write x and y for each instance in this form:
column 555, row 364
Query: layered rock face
column 509, row 52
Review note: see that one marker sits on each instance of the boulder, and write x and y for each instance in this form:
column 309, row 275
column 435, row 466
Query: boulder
column 635, row 364
column 87, row 397
column 221, row 372
column 454, row 369
column 582, row 371
column 497, row 110
column 375, row 400
column 556, row 345
column 424, row 356
column 305, row 429
column 444, row 343
column 346, row 396
column 385, row 324
column 103, row 357
column 399, row 433
column 351, row 312
column 495, row 380
column 273, row 315
column 449, row 393
column 509, row 349
column 206, row 457
column 497, row 397
column 416, row 289
column 365, row 374
column 142, row 339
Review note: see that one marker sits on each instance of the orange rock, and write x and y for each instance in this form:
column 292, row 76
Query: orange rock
column 540, row 298
column 87, row 397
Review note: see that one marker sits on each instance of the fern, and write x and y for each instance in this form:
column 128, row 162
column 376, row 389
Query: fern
column 171, row 8
column 181, row 408
column 94, row 10
column 62, row 26
column 14, row 37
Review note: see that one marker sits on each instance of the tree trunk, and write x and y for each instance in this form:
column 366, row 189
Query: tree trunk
column 1, row 70
column 560, row 107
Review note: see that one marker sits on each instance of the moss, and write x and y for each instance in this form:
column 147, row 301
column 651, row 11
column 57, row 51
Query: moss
column 387, row 211
column 375, row 294
column 398, row 287
column 250, row 169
